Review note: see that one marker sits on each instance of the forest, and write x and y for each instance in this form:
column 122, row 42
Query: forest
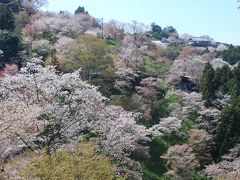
column 92, row 100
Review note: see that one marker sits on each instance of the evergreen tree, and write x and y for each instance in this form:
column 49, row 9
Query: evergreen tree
column 228, row 131
column 80, row 10
column 235, row 83
column 231, row 55
column 223, row 77
column 156, row 31
column 6, row 18
column 207, row 85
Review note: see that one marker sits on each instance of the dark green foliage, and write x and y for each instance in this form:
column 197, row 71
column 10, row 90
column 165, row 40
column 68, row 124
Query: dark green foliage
column 111, row 42
column 224, row 80
column 207, row 85
column 155, row 166
column 51, row 37
column 164, row 34
column 170, row 29
column 164, row 109
column 223, row 77
column 228, row 131
column 9, row 44
column 228, row 82
column 80, row 10
column 6, row 18
column 189, row 123
column 156, row 31
column 167, row 31
column 15, row 5
column 231, row 55
column 235, row 83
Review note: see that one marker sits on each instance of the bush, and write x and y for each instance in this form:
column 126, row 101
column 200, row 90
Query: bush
column 83, row 163
column 189, row 122
column 164, row 105
column 153, row 68
column 50, row 36
column 171, row 52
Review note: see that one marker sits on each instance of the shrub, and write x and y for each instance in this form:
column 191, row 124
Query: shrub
column 189, row 122
column 153, row 68
column 83, row 163
column 171, row 52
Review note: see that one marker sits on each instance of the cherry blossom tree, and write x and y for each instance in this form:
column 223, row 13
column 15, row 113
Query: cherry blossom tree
column 41, row 106
column 228, row 168
column 202, row 144
column 209, row 119
column 191, row 66
column 121, row 136
column 182, row 162
column 70, row 26
column 33, row 5
column 168, row 127
column 114, row 30
column 138, row 30
column 60, row 105
column 129, row 56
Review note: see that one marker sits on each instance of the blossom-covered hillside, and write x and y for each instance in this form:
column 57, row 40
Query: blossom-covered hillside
column 86, row 99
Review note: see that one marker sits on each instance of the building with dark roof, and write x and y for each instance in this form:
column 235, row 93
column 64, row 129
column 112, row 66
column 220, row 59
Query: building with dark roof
column 199, row 41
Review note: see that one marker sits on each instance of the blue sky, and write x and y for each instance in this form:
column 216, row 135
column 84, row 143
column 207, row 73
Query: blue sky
column 219, row 19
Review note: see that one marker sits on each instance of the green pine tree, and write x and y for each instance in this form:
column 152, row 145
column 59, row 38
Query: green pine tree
column 235, row 83
column 228, row 131
column 80, row 10
column 223, row 77
column 207, row 85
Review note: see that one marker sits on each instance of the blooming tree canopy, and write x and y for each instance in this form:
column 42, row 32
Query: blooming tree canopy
column 42, row 106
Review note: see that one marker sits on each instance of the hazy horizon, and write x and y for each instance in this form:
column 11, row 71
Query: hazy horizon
column 218, row 19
